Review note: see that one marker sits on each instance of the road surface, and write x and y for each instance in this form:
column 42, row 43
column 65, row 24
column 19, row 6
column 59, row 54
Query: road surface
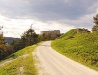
column 53, row 63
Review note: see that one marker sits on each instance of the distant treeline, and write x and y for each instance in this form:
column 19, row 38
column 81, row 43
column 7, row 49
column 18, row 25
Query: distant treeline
column 10, row 39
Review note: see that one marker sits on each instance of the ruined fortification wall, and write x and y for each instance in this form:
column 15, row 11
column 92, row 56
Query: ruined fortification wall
column 51, row 32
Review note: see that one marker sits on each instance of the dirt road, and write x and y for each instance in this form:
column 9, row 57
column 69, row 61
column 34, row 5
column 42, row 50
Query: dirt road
column 53, row 63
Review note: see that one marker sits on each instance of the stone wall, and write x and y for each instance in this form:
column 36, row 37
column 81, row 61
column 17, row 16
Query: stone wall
column 57, row 32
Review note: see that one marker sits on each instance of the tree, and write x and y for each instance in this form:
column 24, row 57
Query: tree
column 5, row 49
column 28, row 38
column 2, row 39
column 95, row 27
column 16, row 44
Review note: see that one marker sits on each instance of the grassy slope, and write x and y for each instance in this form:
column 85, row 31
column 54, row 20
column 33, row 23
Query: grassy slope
column 27, row 63
column 81, row 47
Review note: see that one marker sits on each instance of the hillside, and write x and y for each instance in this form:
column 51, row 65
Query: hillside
column 79, row 46
column 10, row 39
column 19, row 63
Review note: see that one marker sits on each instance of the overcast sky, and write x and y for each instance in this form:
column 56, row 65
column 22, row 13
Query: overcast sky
column 17, row 15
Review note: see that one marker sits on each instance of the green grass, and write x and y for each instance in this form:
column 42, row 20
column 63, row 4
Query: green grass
column 81, row 47
column 13, row 67
column 69, row 34
column 24, row 51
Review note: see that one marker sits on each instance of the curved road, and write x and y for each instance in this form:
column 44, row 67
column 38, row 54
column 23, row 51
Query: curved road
column 53, row 63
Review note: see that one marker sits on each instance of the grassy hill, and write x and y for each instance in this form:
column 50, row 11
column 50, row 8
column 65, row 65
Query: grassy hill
column 19, row 63
column 79, row 46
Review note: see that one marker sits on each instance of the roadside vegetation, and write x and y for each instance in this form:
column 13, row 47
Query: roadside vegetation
column 22, row 63
column 80, row 45
column 28, row 38
column 16, row 58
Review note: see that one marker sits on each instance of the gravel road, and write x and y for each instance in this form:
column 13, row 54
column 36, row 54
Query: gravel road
column 53, row 63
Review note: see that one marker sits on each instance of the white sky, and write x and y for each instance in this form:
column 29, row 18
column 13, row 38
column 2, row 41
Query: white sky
column 15, row 27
